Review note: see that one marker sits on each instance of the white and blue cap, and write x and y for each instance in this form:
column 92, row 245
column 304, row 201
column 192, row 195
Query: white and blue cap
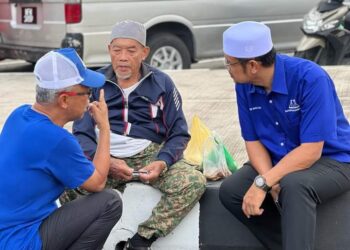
column 63, row 68
column 247, row 40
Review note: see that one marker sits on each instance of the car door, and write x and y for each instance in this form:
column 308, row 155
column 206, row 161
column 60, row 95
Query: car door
column 32, row 23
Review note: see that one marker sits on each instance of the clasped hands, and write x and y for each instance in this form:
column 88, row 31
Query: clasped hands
column 120, row 170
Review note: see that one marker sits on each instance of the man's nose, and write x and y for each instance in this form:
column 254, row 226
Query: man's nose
column 123, row 55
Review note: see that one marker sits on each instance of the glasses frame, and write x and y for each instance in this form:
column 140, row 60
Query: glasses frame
column 228, row 64
column 73, row 93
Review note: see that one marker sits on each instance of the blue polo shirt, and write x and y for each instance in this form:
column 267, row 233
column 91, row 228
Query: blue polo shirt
column 302, row 107
column 38, row 160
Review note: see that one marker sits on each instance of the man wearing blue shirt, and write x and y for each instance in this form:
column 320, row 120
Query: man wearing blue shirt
column 39, row 160
column 296, row 135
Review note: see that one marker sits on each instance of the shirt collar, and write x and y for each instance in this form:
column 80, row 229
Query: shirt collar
column 279, row 84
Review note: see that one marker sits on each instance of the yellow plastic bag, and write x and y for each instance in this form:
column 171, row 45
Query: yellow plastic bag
column 199, row 135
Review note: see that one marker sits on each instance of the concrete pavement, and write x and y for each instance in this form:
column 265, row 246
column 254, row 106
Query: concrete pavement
column 207, row 93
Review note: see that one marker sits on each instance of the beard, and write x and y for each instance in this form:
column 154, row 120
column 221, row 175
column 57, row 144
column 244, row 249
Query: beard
column 123, row 76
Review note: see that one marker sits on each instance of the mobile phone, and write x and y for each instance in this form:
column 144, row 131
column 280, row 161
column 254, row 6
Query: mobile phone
column 136, row 173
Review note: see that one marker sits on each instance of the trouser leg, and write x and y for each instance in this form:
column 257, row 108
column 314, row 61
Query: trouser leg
column 266, row 227
column 84, row 223
column 182, row 186
column 300, row 194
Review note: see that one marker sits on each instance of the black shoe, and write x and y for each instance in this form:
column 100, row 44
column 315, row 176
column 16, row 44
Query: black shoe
column 120, row 245
column 128, row 246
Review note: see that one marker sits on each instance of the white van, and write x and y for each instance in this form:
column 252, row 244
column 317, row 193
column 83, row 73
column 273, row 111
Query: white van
column 180, row 32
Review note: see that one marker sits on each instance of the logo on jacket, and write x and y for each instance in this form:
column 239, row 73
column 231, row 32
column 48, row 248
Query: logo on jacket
column 293, row 106
column 176, row 99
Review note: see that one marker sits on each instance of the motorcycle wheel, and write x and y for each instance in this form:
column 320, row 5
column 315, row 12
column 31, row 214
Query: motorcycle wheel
column 316, row 54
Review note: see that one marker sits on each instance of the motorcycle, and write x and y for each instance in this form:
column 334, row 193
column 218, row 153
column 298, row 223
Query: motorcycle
column 326, row 29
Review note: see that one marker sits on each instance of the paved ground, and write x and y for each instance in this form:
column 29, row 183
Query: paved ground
column 207, row 93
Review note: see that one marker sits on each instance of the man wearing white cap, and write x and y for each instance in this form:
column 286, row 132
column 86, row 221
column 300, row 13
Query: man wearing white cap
column 39, row 160
column 148, row 133
column 296, row 136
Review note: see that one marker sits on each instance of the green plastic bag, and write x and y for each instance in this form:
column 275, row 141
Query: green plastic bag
column 217, row 161
column 231, row 163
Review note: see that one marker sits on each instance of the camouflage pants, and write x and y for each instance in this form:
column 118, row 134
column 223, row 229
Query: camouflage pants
column 181, row 186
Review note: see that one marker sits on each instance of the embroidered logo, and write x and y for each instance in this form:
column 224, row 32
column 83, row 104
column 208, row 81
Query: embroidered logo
column 293, row 106
column 254, row 108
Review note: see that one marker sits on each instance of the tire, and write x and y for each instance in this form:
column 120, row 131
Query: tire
column 309, row 54
column 168, row 52
column 323, row 57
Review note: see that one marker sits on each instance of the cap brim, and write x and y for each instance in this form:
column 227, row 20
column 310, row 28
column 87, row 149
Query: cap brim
column 93, row 79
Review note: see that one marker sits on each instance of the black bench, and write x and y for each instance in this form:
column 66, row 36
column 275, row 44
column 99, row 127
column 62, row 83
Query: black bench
column 219, row 230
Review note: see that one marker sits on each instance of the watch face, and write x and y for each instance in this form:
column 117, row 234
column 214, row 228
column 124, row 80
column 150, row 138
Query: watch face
column 259, row 181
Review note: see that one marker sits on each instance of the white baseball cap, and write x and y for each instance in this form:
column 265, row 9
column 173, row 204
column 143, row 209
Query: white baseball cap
column 63, row 68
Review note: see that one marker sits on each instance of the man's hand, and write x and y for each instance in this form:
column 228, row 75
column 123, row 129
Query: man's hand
column 252, row 201
column 120, row 170
column 154, row 170
column 99, row 112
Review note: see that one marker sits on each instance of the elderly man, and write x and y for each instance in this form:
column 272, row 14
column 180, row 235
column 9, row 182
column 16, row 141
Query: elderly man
column 296, row 136
column 39, row 159
column 148, row 133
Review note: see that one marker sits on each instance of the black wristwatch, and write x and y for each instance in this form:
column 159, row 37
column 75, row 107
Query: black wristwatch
column 260, row 182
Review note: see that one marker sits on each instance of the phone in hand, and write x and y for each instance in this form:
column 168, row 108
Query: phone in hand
column 136, row 173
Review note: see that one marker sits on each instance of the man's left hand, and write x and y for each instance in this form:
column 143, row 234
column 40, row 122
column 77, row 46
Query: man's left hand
column 252, row 201
column 154, row 170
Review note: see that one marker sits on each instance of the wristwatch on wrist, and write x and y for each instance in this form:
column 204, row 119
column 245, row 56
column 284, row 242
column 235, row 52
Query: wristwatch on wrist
column 260, row 182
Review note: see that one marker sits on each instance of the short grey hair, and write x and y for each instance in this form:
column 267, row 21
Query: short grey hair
column 48, row 95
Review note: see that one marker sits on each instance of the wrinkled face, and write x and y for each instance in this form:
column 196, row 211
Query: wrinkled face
column 127, row 56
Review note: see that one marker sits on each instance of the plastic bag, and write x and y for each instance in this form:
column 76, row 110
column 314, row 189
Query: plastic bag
column 199, row 135
column 215, row 165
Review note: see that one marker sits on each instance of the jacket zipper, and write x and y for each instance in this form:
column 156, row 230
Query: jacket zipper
column 126, row 102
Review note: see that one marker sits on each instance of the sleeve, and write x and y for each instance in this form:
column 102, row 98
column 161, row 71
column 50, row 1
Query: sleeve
column 247, row 127
column 68, row 163
column 84, row 131
column 318, row 110
column 177, row 135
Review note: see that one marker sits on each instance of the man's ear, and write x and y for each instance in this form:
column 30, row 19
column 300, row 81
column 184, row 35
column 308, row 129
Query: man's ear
column 145, row 52
column 254, row 66
column 62, row 101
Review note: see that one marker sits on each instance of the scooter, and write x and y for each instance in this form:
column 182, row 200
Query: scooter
column 326, row 29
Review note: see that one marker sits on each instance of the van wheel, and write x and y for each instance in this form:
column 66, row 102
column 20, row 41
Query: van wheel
column 168, row 52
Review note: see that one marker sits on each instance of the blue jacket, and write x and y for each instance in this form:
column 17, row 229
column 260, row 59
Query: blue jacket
column 153, row 111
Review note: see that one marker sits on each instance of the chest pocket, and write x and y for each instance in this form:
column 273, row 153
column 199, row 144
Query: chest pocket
column 154, row 108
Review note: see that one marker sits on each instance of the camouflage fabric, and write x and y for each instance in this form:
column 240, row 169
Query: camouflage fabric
column 182, row 186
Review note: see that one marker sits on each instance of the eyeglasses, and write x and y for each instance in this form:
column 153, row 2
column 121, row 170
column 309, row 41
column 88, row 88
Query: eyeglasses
column 72, row 93
column 228, row 64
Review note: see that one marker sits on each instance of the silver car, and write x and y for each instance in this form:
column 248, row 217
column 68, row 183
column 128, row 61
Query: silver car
column 180, row 32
